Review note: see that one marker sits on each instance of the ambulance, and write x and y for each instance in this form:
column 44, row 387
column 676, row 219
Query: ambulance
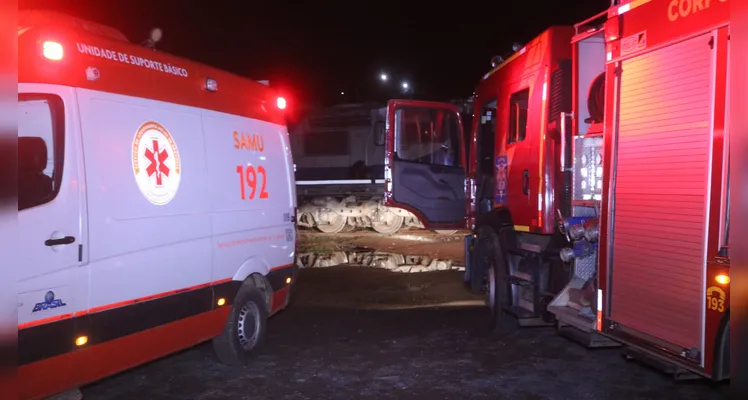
column 156, row 206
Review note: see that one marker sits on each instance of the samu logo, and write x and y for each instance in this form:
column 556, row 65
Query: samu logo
column 49, row 302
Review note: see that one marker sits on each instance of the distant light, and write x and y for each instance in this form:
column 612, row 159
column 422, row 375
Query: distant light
column 383, row 77
column 405, row 85
column 281, row 103
column 342, row 93
column 52, row 50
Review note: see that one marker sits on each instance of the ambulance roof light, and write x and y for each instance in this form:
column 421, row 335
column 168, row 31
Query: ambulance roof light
column 281, row 103
column 52, row 50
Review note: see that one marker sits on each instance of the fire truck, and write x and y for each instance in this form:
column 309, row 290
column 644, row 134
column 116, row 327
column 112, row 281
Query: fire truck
column 595, row 182
column 339, row 156
column 156, row 206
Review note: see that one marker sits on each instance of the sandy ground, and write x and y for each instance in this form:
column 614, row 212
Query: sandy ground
column 365, row 333
column 406, row 242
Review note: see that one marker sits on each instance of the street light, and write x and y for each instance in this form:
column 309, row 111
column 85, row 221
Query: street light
column 405, row 85
column 383, row 77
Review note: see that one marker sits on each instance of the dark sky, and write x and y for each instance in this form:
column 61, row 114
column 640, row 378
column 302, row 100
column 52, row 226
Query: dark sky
column 315, row 50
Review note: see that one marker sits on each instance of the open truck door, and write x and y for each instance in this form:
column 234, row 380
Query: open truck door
column 425, row 165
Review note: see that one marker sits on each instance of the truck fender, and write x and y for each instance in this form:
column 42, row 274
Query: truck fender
column 497, row 221
column 497, row 218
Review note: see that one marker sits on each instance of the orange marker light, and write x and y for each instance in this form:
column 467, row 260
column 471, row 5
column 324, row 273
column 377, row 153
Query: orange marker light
column 722, row 279
column 221, row 301
column 288, row 280
column 281, row 103
column 81, row 340
column 52, row 50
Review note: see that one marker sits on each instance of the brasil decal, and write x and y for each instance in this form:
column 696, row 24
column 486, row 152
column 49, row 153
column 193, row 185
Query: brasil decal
column 501, row 180
column 156, row 164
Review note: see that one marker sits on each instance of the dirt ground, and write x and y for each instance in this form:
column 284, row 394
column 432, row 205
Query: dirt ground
column 367, row 333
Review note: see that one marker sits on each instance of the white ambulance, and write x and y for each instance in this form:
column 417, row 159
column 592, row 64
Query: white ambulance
column 156, row 205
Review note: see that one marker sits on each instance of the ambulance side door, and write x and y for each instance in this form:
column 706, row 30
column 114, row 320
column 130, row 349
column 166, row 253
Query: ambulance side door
column 425, row 162
column 52, row 283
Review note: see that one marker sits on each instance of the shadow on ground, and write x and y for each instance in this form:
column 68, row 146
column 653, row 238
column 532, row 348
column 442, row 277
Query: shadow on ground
column 333, row 344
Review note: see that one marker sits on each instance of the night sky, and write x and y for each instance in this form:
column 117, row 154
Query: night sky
column 314, row 50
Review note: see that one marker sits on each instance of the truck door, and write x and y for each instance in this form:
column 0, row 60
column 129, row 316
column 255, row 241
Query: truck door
column 51, row 283
column 488, row 189
column 425, row 163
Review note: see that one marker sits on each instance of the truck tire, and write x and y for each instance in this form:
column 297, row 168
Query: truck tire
column 336, row 225
column 245, row 328
column 498, row 290
column 393, row 224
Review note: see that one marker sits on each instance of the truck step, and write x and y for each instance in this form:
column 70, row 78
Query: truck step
column 677, row 372
column 579, row 328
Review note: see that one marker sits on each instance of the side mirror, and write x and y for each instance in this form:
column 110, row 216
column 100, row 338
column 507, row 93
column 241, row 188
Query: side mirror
column 379, row 134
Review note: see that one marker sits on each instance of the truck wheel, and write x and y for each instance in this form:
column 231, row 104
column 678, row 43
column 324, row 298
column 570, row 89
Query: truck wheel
column 348, row 227
column 335, row 225
column 389, row 224
column 498, row 290
column 245, row 328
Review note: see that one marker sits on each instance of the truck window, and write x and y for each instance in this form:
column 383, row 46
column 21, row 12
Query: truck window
column 427, row 135
column 40, row 149
column 518, row 104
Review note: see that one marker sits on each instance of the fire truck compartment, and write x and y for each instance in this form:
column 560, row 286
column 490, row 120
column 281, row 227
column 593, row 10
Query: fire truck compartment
column 660, row 195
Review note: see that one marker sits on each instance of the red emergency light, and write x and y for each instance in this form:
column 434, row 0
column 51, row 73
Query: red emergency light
column 281, row 103
column 52, row 50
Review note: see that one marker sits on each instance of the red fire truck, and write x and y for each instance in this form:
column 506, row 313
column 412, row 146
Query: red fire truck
column 596, row 182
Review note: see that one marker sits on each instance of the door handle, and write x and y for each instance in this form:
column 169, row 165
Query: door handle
column 57, row 242
column 526, row 182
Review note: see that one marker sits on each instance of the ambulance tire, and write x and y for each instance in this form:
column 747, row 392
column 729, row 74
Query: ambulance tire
column 245, row 327
column 499, row 292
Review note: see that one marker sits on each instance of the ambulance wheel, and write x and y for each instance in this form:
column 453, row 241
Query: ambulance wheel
column 336, row 225
column 388, row 224
column 245, row 328
column 498, row 287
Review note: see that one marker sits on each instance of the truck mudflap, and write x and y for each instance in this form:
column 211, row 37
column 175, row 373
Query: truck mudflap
column 473, row 278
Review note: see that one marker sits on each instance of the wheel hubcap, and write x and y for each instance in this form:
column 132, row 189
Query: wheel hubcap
column 249, row 325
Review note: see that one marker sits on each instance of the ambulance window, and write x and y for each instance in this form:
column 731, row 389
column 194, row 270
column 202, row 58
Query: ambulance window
column 40, row 149
column 427, row 135
column 518, row 104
